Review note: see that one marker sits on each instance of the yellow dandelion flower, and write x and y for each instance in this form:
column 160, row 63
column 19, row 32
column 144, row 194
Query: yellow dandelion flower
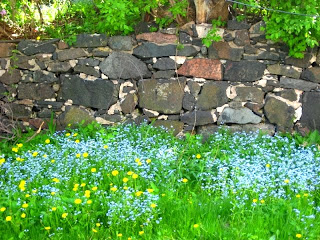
column 54, row 209
column 23, row 215
column 89, row 202
column 305, row 194
column 8, row 218
column 76, row 185
column 115, row 172
column 198, row 156
column 125, row 188
column 153, row 205
column 83, row 184
column 87, row 193
column 148, row 161
column 129, row 238
column 113, row 189
column 141, row 233
column 75, row 134
column 34, row 190
column 68, row 134
column 22, row 185
column 130, row 173
column 56, row 180
column 298, row 196
column 85, row 155
column 25, row 205
column 255, row 200
column 262, row 201
column 139, row 163
column 94, row 188
column 163, row 194
column 150, row 190
column 135, row 176
column 34, row 154
column 196, row 225
column 53, row 193
column 47, row 141
column 75, row 189
column 93, row 170
column 53, row 161
column 119, row 235
column 78, row 201
column 64, row 215
column 47, row 228
column 139, row 193
column 2, row 161
column 98, row 224
column 19, row 145
column 15, row 149
column 105, row 146
column 268, row 165
column 94, row 230
column 2, row 209
column 286, row 181
column 184, row 180
column 137, row 160
column 77, row 141
column 125, row 180
column 45, row 156
column 78, row 155
column 27, row 195
column 298, row 235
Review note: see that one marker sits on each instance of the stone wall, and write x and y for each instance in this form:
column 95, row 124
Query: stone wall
column 244, row 82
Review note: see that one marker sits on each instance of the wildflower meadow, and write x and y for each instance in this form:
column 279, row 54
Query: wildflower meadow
column 140, row 182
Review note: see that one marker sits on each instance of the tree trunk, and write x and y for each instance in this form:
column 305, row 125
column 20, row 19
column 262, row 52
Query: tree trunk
column 207, row 10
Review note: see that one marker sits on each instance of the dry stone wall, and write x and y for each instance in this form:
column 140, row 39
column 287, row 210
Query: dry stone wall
column 244, row 82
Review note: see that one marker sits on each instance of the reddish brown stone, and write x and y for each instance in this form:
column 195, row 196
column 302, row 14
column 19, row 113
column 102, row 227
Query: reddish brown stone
column 37, row 122
column 157, row 37
column 6, row 49
column 202, row 68
column 62, row 45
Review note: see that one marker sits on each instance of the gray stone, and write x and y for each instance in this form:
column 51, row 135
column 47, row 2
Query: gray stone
column 286, row 82
column 100, row 52
column 114, row 118
column 165, row 64
column 194, row 87
column 265, row 55
column 185, row 38
column 145, row 27
column 279, row 113
column 187, row 51
column 59, row 67
column 45, row 113
column 256, row 28
column 49, row 104
column 302, row 63
column 250, row 57
column 255, row 107
column 228, row 36
column 121, row 43
column 164, row 74
column 222, row 50
column 91, row 62
column 29, row 48
column 174, row 127
column 244, row 71
column 3, row 91
column 18, row 112
column 189, row 102
column 35, row 91
column 149, row 113
column 11, row 76
column 242, row 37
column 311, row 74
column 87, row 70
column 129, row 103
column 213, row 95
column 198, row 118
column 91, row 40
column 3, row 63
column 284, row 70
column 156, row 94
column 311, row 111
column 40, row 76
column 235, row 25
column 249, row 49
column 289, row 94
column 124, row 66
column 252, row 94
column 69, row 54
column 97, row 94
column 239, row 116
column 25, row 62
column 74, row 116
column 150, row 50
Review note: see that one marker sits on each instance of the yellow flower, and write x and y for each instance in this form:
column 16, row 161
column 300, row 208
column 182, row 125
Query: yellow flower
column 129, row 238
column 135, row 176
column 255, row 200
column 262, row 201
column 141, row 233
column 196, row 225
column 22, row 185
column 54, row 209
column 125, row 180
column 184, row 180
column 125, row 188
column 25, row 205
column 82, row 184
column 153, row 205
column 75, row 189
column 89, row 201
column 268, row 165
column 19, row 145
column 8, row 218
column 45, row 156
column 2, row 160
column 198, row 156
column 52, row 160
column 138, row 193
column 148, row 161
column 64, row 215
column 67, row 134
column 298, row 196
column 130, row 173
column 34, row 154
column 47, row 228
column 78, row 155
column 94, row 188
column 47, row 141
column 98, row 224
column 23, row 215
column 56, row 180
column 38, row 38
column 93, row 170
column 163, row 194
column 105, row 146
column 27, row 195
column 119, row 235
column 14, row 149
column 139, row 163
column 77, row 141
column 115, row 172
column 78, row 201
column 94, row 230
column 87, row 193
column 306, row 195
column 53, row 193
column 286, row 181
column 113, row 189
column 298, row 235
column 85, row 154
column 75, row 134
column 137, row 160
column 2, row 209
column 150, row 190
column 34, row 190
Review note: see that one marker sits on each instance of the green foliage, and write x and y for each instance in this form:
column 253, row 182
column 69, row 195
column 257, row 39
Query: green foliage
column 212, row 35
column 298, row 32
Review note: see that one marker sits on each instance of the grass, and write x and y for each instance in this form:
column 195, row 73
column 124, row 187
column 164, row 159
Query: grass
column 130, row 182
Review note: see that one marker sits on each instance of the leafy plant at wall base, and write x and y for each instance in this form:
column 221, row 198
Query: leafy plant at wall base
column 212, row 35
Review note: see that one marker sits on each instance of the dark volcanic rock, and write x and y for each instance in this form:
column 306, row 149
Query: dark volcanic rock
column 311, row 111
column 35, row 91
column 284, row 70
column 164, row 74
column 91, row 40
column 239, row 116
column 11, row 77
column 213, row 95
column 235, row 25
column 286, row 82
column 252, row 94
column 69, row 54
column 222, row 50
column 244, row 71
column 59, row 67
column 120, row 43
column 29, row 48
column 165, row 64
column 87, row 70
column 311, row 74
column 74, row 115
column 172, row 126
column 129, row 103
column 197, row 118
